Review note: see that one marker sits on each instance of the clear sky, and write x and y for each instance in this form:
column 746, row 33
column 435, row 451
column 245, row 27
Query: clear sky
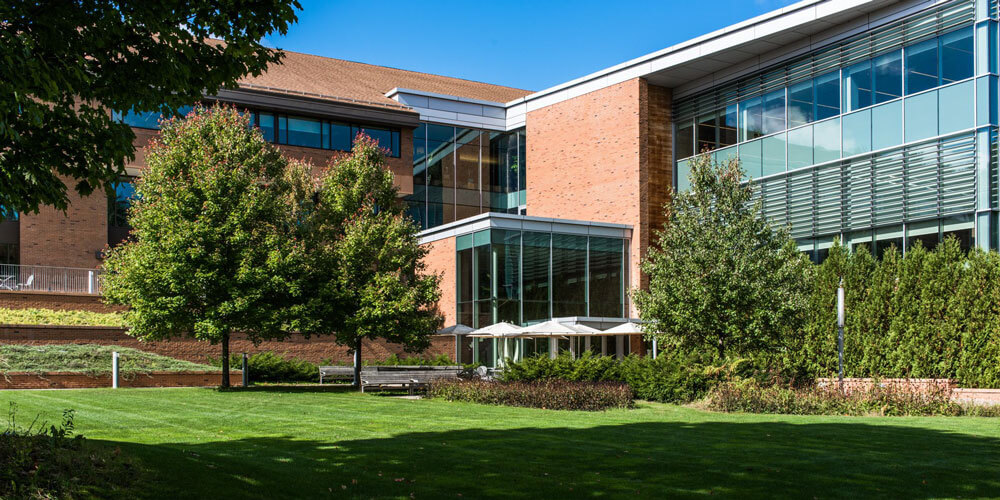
column 524, row 44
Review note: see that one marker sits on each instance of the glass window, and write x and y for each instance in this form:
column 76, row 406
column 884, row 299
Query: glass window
column 957, row 55
column 467, row 193
column 382, row 136
column 282, row 129
column 888, row 76
column 340, row 138
column 827, row 95
column 858, row 86
column 826, row 140
column 304, row 132
column 774, row 112
column 959, row 102
column 887, row 125
column 773, row 154
column 751, row 124
column 750, row 158
column 144, row 119
column 685, row 140
column 727, row 126
column 683, row 175
column 506, row 246
column 922, row 66
column 535, row 276
column 924, row 234
column 484, row 285
column 606, row 284
column 706, row 131
column 266, row 124
column 800, row 103
column 921, row 116
column 465, row 298
column 858, row 132
column 800, row 147
column 569, row 275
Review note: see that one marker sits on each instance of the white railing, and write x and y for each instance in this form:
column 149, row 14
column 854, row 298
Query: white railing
column 20, row 278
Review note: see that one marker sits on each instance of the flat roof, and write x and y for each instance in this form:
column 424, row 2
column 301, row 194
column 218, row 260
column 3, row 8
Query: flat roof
column 493, row 220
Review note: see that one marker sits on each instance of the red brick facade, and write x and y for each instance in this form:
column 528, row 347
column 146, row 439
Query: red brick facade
column 440, row 260
column 70, row 380
column 71, row 239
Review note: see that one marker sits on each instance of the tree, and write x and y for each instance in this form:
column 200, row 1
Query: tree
column 720, row 276
column 365, row 277
column 209, row 253
column 66, row 65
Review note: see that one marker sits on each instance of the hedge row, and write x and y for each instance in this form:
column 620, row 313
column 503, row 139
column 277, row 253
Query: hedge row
column 546, row 394
column 932, row 314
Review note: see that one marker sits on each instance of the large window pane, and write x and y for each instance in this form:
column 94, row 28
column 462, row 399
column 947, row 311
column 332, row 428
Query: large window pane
column 304, row 132
column 858, row 86
column 827, row 95
column 800, row 147
column 750, row 158
column 707, row 128
column 887, row 125
column 888, row 76
column 774, row 112
column 958, row 101
column 467, row 192
column 957, row 55
column 569, row 275
column 773, row 154
column 727, row 127
column 751, row 125
column 506, row 246
column 922, row 66
column 857, row 132
column 685, row 140
column 606, row 260
column 826, row 140
column 921, row 116
column 267, row 125
column 800, row 103
column 382, row 136
column 535, row 276
column 683, row 173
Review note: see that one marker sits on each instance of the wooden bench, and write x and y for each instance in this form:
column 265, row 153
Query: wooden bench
column 406, row 377
column 339, row 372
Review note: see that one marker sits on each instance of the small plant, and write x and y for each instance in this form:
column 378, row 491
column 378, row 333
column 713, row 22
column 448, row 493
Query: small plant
column 268, row 366
column 545, row 394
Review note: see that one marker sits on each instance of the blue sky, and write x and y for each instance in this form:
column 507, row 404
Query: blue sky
column 531, row 45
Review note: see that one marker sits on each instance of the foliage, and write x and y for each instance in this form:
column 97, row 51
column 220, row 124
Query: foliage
column 268, row 366
column 546, row 394
column 394, row 360
column 91, row 359
column 749, row 396
column 364, row 275
column 210, row 252
column 33, row 316
column 930, row 314
column 65, row 67
column 48, row 461
column 672, row 377
column 720, row 276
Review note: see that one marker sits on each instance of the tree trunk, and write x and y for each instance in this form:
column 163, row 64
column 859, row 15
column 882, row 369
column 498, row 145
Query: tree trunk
column 225, row 360
column 357, row 363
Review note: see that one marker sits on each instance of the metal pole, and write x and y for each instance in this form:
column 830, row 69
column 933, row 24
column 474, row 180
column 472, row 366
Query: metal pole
column 654, row 348
column 840, row 333
column 246, row 373
column 114, row 370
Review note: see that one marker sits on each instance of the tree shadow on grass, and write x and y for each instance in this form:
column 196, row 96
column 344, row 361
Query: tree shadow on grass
column 745, row 460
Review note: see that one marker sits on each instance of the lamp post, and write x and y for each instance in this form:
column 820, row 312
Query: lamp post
column 840, row 333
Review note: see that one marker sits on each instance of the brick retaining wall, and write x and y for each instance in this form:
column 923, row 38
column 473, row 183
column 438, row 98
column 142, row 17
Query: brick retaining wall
column 73, row 380
column 55, row 301
column 315, row 350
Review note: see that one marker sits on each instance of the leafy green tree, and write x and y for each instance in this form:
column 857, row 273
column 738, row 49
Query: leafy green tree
column 720, row 276
column 365, row 277
column 66, row 64
column 209, row 252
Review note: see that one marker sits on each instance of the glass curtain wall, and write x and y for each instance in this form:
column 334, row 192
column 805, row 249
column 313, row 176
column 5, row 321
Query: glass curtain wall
column 119, row 202
column 461, row 172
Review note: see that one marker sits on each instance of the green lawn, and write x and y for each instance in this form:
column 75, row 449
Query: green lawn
column 284, row 443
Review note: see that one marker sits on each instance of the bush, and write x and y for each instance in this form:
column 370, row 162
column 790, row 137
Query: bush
column 38, row 316
column 545, row 394
column 749, row 396
column 674, row 377
column 50, row 462
column 267, row 366
column 394, row 360
column 92, row 359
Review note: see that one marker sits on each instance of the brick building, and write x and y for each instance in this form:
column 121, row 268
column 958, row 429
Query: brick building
column 872, row 121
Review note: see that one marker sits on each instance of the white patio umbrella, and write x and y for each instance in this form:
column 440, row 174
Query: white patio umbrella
column 498, row 330
column 458, row 329
column 552, row 328
column 627, row 328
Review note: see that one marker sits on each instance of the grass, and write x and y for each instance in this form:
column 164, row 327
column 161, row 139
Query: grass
column 64, row 318
column 295, row 443
column 92, row 359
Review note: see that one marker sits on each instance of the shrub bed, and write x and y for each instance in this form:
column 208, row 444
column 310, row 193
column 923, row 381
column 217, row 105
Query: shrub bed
column 545, row 394
column 749, row 396
column 268, row 366
column 38, row 316
column 91, row 359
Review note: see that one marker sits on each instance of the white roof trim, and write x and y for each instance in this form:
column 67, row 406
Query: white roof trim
column 523, row 222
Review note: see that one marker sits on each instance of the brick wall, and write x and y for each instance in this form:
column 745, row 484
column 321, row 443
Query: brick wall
column 55, row 301
column 603, row 156
column 441, row 260
column 70, row 380
column 71, row 239
column 316, row 350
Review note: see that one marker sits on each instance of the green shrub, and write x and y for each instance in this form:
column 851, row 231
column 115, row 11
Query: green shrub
column 674, row 377
column 33, row 316
column 546, row 394
column 268, row 366
column 749, row 396
column 91, row 359
column 394, row 360
column 50, row 462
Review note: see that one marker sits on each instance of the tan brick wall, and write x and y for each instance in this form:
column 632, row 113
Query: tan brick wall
column 70, row 239
column 441, row 260
column 603, row 156
column 316, row 349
